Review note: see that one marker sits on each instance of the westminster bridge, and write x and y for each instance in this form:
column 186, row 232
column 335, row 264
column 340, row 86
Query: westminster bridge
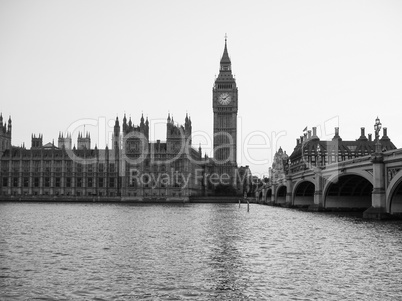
column 371, row 183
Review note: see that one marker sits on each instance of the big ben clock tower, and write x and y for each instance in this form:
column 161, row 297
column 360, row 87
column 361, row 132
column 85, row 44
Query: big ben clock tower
column 225, row 106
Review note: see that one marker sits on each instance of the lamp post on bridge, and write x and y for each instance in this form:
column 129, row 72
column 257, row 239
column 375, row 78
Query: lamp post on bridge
column 378, row 209
column 377, row 129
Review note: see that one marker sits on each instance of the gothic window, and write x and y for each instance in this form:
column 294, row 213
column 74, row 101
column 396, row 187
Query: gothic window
column 57, row 184
column 47, row 182
column 25, row 166
column 4, row 166
column 26, row 182
column 79, row 182
column 15, row 166
column 57, row 166
column 36, row 182
column 48, row 166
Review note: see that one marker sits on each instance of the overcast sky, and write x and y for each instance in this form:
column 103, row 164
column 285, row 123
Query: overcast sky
column 297, row 64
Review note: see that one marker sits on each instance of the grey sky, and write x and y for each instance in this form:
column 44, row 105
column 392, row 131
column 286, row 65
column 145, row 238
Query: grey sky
column 297, row 64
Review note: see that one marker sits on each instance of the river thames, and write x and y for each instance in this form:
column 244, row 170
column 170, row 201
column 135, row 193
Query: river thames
column 78, row 251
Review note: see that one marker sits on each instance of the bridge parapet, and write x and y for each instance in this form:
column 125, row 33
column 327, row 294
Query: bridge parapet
column 340, row 174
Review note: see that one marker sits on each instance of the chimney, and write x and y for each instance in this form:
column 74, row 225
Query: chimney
column 362, row 134
column 336, row 137
column 314, row 131
column 309, row 134
column 384, row 132
column 301, row 139
column 370, row 137
column 297, row 141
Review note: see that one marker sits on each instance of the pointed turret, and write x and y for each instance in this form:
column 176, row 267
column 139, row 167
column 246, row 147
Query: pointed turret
column 116, row 136
column 117, row 127
column 225, row 60
column 9, row 124
column 124, row 123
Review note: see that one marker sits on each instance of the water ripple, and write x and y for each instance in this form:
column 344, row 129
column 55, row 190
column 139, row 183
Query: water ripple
column 194, row 252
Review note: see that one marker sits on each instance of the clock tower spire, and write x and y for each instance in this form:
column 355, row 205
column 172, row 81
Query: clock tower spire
column 225, row 107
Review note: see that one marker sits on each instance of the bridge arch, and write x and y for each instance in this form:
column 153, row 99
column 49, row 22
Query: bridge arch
column 348, row 190
column 268, row 195
column 303, row 193
column 394, row 194
column 281, row 195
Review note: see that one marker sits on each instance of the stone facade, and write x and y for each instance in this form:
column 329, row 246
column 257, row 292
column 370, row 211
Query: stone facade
column 133, row 169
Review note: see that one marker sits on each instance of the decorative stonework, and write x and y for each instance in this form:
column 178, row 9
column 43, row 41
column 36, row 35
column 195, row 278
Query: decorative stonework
column 391, row 172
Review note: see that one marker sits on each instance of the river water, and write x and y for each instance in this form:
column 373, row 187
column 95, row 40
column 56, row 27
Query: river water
column 65, row 251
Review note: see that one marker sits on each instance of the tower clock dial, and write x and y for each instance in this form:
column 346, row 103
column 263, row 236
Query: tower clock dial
column 224, row 99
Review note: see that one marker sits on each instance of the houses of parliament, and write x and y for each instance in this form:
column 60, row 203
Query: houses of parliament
column 133, row 168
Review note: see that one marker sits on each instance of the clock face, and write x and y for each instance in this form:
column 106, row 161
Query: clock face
column 224, row 99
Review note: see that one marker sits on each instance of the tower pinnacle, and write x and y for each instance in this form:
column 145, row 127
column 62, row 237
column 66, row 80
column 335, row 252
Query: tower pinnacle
column 225, row 57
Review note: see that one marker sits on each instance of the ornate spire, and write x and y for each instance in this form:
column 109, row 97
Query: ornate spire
column 225, row 60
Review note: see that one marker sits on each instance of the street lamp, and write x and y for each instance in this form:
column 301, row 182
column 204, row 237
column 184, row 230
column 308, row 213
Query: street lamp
column 377, row 128
column 318, row 159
